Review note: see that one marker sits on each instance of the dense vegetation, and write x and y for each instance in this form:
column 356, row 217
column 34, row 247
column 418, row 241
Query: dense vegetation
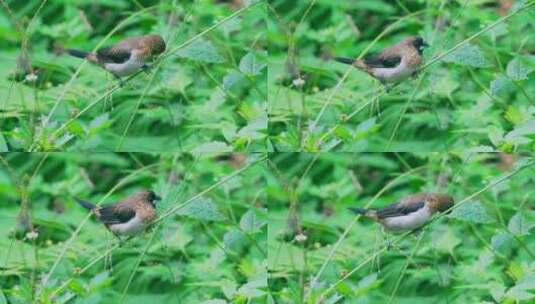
column 478, row 91
column 205, row 93
column 208, row 245
column 481, row 252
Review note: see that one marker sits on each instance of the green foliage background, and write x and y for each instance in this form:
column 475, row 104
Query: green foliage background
column 479, row 97
column 211, row 250
column 206, row 94
column 482, row 252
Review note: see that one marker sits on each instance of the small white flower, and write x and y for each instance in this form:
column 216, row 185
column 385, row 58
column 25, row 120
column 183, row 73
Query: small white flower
column 300, row 238
column 298, row 82
column 32, row 235
column 31, row 77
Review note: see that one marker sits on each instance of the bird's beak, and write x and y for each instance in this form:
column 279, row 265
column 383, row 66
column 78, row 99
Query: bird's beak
column 157, row 198
column 424, row 44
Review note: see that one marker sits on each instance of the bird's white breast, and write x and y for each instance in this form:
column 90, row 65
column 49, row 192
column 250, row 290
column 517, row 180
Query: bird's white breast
column 408, row 222
column 133, row 226
column 132, row 65
column 399, row 72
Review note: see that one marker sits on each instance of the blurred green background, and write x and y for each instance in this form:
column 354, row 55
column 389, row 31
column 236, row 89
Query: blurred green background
column 481, row 252
column 480, row 97
column 211, row 250
column 208, row 95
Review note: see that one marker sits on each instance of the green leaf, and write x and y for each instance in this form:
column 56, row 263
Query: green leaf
column 520, row 224
column 365, row 127
column 250, row 222
column 229, row 288
column 501, row 240
column 468, row 54
column 177, row 236
column 212, row 147
column 77, row 286
column 201, row 50
column 472, row 212
column 170, row 198
column 233, row 239
column 445, row 84
column 497, row 291
column 520, row 67
column 367, row 283
column 514, row 115
column 99, row 281
column 202, row 209
column 520, row 292
column 255, row 128
column 2, row 298
column 252, row 289
column 253, row 64
column 500, row 84
column 527, row 128
column 214, row 301
column 229, row 130
column 232, row 78
column 3, row 144
column 445, row 240
column 99, row 122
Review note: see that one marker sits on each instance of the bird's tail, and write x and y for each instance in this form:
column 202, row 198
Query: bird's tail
column 77, row 53
column 344, row 60
column 363, row 211
column 356, row 63
column 85, row 204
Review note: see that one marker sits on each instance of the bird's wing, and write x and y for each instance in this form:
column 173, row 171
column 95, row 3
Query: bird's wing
column 115, row 214
column 399, row 209
column 382, row 61
column 121, row 51
column 113, row 55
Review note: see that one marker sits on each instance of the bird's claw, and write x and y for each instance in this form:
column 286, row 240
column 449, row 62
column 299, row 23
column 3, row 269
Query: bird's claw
column 146, row 68
column 119, row 79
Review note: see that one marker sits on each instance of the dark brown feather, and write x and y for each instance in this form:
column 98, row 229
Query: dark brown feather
column 399, row 209
column 381, row 61
column 106, row 55
column 115, row 214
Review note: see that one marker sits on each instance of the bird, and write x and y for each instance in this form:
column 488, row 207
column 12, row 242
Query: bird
column 125, row 57
column 394, row 63
column 127, row 217
column 410, row 212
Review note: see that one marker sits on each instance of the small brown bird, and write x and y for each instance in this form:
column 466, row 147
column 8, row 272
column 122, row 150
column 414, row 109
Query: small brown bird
column 394, row 63
column 410, row 212
column 127, row 217
column 125, row 57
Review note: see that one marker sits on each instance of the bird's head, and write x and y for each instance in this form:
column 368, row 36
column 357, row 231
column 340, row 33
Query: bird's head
column 148, row 196
column 418, row 43
column 155, row 43
column 441, row 202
